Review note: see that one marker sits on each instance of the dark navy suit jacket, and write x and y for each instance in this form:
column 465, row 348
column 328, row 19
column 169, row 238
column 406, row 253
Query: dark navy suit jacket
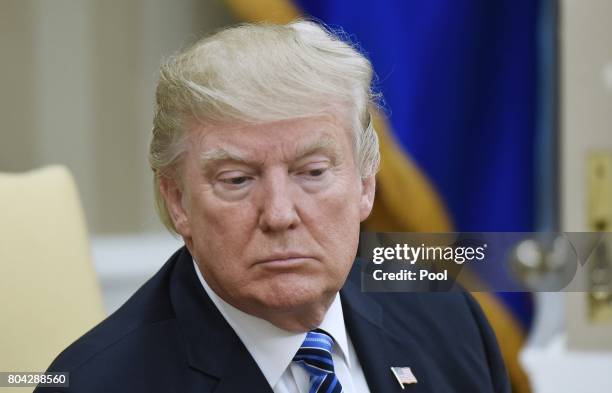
column 169, row 337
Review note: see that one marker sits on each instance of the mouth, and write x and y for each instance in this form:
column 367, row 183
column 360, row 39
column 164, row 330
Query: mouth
column 283, row 261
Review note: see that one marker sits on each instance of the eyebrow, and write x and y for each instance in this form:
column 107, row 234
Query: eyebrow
column 219, row 155
column 324, row 145
column 210, row 158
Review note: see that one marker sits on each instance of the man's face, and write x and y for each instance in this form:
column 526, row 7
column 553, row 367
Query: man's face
column 271, row 212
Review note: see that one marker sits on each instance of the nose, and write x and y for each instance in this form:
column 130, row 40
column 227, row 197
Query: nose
column 278, row 205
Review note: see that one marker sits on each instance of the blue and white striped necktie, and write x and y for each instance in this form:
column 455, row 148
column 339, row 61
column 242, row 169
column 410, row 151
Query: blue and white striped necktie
column 315, row 356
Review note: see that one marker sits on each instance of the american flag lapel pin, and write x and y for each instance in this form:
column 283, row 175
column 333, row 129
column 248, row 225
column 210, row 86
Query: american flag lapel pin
column 404, row 375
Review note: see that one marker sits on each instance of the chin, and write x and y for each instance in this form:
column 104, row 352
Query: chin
column 289, row 295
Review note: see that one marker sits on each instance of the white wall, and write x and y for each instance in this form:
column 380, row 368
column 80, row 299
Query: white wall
column 577, row 361
column 586, row 127
column 78, row 80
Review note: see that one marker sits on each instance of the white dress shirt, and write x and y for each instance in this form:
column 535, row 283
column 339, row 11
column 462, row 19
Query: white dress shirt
column 273, row 348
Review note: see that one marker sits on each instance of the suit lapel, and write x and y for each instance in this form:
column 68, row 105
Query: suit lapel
column 212, row 346
column 214, row 349
column 376, row 349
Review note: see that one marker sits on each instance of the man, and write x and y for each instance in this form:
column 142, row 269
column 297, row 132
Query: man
column 265, row 159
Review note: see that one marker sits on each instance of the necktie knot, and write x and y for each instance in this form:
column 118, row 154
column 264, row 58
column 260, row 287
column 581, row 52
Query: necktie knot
column 315, row 356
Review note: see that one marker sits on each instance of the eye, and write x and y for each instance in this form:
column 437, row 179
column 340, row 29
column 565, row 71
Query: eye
column 236, row 180
column 313, row 171
column 316, row 172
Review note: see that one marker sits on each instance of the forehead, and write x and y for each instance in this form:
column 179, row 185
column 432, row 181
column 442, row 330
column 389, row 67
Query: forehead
column 284, row 138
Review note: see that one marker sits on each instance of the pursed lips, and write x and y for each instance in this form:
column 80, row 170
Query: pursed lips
column 283, row 259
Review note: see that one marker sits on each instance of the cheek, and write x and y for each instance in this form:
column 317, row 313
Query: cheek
column 340, row 204
column 221, row 228
column 336, row 219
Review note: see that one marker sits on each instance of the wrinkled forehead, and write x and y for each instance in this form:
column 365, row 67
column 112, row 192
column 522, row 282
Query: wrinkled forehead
column 280, row 140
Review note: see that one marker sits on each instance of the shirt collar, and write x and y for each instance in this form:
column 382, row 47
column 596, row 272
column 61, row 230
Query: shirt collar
column 333, row 323
column 273, row 348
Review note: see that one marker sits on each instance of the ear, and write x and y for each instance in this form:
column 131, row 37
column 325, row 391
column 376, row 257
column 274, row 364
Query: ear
column 368, row 190
column 173, row 196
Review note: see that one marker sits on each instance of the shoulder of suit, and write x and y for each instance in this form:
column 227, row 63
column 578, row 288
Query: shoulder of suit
column 125, row 333
column 433, row 311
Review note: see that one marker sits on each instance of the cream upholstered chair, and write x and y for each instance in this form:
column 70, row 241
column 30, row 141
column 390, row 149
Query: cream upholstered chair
column 49, row 294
